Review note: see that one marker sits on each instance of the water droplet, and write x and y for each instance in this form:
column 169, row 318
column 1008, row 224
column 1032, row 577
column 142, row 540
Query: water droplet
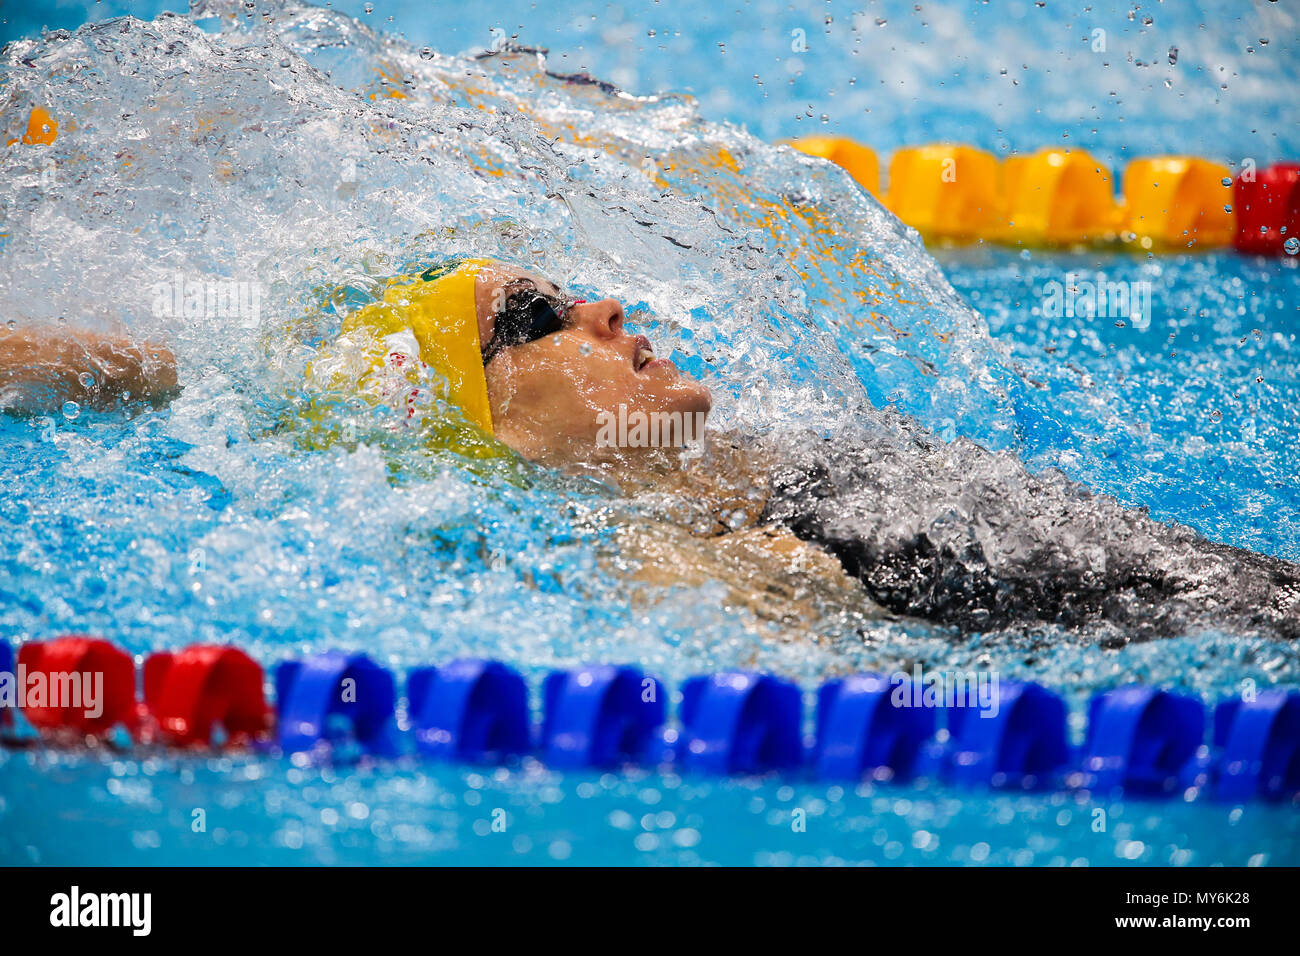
column 1225, row 181
column 584, row 349
column 1292, row 246
column 426, row 54
column 284, row 63
column 1227, row 209
column 71, row 410
column 1216, row 416
column 1173, row 54
column 86, row 379
column 556, row 340
column 369, row 8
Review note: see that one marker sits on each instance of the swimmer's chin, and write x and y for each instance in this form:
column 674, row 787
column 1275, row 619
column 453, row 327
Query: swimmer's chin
column 698, row 396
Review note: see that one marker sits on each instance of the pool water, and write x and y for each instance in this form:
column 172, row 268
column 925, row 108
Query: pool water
column 224, row 149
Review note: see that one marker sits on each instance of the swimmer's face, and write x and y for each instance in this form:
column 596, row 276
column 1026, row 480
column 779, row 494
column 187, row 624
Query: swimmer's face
column 548, row 395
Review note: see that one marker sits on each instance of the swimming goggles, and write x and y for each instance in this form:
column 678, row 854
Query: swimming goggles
column 526, row 316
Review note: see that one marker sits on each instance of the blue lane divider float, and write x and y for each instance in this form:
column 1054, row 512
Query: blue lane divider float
column 1140, row 740
column 6, row 666
column 470, row 710
column 600, row 716
column 738, row 722
column 331, row 697
column 1260, row 746
column 860, row 731
column 1023, row 742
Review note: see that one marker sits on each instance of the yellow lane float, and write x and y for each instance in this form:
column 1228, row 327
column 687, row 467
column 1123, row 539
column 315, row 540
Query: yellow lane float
column 947, row 191
column 1052, row 197
column 1179, row 201
column 860, row 161
column 1059, row 197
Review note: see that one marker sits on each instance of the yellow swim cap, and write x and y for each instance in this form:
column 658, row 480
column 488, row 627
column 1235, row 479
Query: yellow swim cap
column 438, row 308
column 425, row 323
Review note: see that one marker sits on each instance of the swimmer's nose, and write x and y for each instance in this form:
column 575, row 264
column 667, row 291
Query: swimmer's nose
column 604, row 318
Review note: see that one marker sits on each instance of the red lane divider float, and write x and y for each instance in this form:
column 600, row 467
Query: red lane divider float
column 1141, row 740
column 1268, row 210
column 189, row 693
column 79, row 685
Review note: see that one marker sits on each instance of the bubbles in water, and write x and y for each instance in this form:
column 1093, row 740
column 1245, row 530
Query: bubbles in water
column 71, row 410
column 426, row 54
column 86, row 379
column 1292, row 246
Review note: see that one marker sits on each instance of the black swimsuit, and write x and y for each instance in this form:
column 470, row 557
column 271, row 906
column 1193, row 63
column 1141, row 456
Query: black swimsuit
column 964, row 536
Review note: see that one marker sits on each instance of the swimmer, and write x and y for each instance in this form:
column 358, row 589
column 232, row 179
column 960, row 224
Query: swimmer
column 953, row 533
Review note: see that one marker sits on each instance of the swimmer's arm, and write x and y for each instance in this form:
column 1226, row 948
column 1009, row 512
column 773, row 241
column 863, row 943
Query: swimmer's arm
column 40, row 369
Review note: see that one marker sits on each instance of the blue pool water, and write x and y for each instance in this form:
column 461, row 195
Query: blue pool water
column 236, row 156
